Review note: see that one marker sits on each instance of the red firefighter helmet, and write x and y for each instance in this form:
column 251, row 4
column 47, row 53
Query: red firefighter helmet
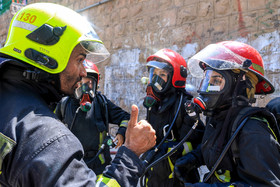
column 91, row 69
column 177, row 62
column 229, row 55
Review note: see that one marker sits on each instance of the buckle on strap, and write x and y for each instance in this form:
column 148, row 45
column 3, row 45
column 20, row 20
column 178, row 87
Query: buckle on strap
column 164, row 133
column 31, row 75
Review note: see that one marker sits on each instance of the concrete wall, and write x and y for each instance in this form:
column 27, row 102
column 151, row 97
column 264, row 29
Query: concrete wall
column 134, row 29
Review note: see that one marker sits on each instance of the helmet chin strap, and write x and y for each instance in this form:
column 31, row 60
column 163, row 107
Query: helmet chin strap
column 235, row 97
column 235, row 92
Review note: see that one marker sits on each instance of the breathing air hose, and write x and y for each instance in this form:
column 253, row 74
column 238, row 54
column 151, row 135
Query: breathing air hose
column 152, row 153
column 108, row 140
column 170, row 152
column 225, row 150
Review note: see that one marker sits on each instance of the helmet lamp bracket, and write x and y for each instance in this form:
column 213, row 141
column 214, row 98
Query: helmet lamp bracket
column 183, row 71
column 41, row 58
column 247, row 63
column 46, row 34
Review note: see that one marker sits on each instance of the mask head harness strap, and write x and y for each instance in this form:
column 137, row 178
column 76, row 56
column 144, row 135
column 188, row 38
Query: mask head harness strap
column 246, row 65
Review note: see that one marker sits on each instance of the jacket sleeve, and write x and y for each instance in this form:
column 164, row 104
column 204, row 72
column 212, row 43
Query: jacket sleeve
column 126, row 168
column 117, row 116
column 116, row 113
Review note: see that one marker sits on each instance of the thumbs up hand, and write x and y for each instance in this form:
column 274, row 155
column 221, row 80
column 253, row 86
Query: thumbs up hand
column 140, row 136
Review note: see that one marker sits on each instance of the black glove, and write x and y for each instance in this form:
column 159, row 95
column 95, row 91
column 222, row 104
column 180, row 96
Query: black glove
column 186, row 169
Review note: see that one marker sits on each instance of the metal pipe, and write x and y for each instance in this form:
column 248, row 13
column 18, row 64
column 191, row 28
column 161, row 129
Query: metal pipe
column 93, row 5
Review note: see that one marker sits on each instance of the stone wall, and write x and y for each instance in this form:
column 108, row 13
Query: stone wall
column 134, row 29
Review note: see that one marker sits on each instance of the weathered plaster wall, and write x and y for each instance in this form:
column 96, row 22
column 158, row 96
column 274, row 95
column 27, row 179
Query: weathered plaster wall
column 134, row 29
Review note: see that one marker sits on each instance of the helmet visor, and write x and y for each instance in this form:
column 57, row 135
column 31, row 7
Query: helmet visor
column 160, row 65
column 87, row 86
column 97, row 52
column 212, row 82
column 217, row 57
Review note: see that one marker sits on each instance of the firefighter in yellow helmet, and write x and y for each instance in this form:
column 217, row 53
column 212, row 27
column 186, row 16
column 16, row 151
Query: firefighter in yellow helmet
column 41, row 61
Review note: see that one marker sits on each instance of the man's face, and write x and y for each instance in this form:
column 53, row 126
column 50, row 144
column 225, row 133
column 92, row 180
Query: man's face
column 74, row 71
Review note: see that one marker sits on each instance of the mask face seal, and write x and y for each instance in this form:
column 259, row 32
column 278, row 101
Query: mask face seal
column 87, row 86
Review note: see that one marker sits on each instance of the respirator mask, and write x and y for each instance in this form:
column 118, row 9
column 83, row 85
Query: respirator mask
column 86, row 92
column 214, row 90
column 159, row 82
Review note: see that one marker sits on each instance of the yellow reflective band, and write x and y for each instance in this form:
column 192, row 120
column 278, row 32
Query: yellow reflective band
column 101, row 158
column 105, row 181
column 171, row 165
column 187, row 148
column 258, row 68
column 124, row 123
column 225, row 177
column 207, row 88
column 101, row 138
column 273, row 133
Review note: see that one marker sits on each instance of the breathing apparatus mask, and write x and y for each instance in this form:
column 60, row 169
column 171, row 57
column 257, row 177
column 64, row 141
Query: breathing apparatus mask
column 215, row 90
column 160, row 74
column 86, row 92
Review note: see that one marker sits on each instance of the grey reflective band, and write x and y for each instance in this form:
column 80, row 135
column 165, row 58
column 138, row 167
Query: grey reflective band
column 24, row 25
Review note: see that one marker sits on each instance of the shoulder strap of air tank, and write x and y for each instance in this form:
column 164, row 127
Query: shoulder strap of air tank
column 63, row 105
